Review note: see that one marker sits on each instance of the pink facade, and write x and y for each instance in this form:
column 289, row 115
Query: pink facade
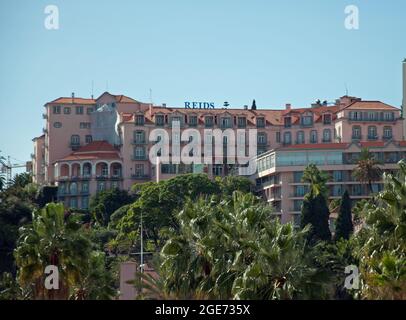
column 95, row 144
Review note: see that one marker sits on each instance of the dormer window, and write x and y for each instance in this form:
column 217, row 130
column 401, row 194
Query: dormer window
column 225, row 122
column 177, row 119
column 159, row 120
column 242, row 122
column 306, row 120
column 327, row 119
column 288, row 122
column 261, row 122
column 208, row 121
column 139, row 120
column 193, row 121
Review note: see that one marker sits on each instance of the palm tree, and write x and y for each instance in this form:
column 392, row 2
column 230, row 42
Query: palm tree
column 382, row 240
column 317, row 180
column 236, row 249
column 367, row 169
column 52, row 239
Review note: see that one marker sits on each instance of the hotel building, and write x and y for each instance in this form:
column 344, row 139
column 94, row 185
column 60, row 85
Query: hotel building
column 89, row 145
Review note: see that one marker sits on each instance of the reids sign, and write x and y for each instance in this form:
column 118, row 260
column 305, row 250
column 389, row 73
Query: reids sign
column 199, row 105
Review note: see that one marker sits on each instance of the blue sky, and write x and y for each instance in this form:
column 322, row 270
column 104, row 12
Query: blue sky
column 278, row 52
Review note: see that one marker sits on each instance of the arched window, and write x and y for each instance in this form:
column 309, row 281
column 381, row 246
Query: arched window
column 300, row 137
column 326, row 135
column 287, row 138
column 313, row 136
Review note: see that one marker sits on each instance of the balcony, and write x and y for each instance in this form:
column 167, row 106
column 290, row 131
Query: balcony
column 102, row 177
column 356, row 137
column 74, row 145
column 140, row 176
column 387, row 138
column 372, row 137
column 139, row 157
column 139, row 141
column 117, row 176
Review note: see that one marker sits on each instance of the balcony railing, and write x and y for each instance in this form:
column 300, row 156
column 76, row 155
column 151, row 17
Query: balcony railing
column 370, row 137
column 139, row 157
column 140, row 176
column 139, row 141
column 356, row 137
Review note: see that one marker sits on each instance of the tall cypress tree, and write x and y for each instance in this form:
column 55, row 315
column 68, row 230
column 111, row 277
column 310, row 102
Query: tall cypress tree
column 315, row 212
column 344, row 226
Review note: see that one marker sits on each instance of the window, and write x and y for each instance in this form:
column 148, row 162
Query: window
column 101, row 186
column 104, row 170
column 73, row 203
column 242, row 122
column 139, row 120
column 57, row 125
column 84, row 125
column 88, row 138
column 75, row 140
column 261, row 139
column 139, row 136
column 159, row 120
column 89, row 110
column 300, row 139
column 313, row 136
column 356, row 132
column 208, row 121
column 139, row 170
column 85, row 202
column 193, row 121
column 66, row 110
column 337, row 176
column 57, row 109
column 79, row 110
column 326, row 135
column 85, row 187
column 287, row 138
column 73, row 188
column 372, row 133
column 288, row 122
column 261, row 122
column 226, row 122
column 387, row 132
column 139, row 153
column 306, row 120
column 327, row 119
column 389, row 116
column 176, row 119
column 278, row 137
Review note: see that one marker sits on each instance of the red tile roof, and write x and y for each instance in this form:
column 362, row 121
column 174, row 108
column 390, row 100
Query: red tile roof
column 93, row 151
column 369, row 105
column 371, row 144
column 66, row 100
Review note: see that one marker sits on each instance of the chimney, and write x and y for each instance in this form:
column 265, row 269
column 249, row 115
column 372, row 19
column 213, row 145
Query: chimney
column 404, row 100
column 288, row 106
column 164, row 105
